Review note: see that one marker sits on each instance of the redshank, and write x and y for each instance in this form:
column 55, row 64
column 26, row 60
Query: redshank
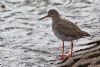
column 65, row 30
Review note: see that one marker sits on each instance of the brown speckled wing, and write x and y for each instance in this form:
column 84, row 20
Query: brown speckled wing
column 67, row 28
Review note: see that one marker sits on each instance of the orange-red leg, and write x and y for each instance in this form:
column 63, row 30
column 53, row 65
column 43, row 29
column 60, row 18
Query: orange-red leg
column 71, row 48
column 62, row 56
column 70, row 53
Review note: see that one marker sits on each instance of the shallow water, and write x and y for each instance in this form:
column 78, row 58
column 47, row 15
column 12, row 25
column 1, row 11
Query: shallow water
column 27, row 42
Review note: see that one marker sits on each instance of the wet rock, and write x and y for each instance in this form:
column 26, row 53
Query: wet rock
column 90, row 57
column 67, row 63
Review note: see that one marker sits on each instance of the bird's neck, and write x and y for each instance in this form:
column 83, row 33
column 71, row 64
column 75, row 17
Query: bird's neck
column 56, row 18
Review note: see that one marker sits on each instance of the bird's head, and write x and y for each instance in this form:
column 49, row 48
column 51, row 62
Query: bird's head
column 51, row 13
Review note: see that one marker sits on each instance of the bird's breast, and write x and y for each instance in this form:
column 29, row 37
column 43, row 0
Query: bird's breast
column 56, row 32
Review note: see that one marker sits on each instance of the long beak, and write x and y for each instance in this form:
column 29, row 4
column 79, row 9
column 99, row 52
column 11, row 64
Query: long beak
column 43, row 17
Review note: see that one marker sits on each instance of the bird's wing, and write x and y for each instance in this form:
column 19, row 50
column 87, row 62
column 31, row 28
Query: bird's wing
column 67, row 28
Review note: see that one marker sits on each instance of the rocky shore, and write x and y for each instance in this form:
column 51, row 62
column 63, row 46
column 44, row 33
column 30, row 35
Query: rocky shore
column 89, row 57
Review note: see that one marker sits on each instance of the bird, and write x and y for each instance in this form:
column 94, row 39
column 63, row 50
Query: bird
column 65, row 30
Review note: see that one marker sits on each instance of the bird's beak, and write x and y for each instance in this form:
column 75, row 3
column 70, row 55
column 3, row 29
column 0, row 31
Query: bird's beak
column 43, row 17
